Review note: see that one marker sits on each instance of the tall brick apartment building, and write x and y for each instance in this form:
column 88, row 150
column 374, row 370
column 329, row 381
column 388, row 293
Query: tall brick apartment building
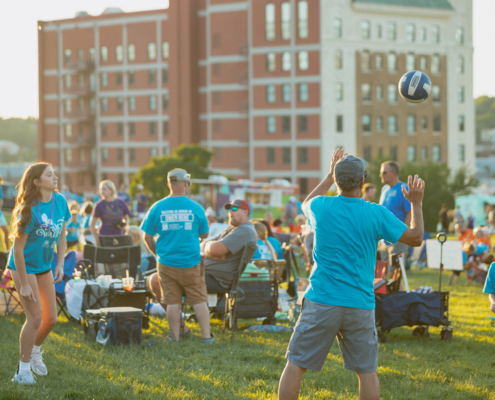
column 272, row 87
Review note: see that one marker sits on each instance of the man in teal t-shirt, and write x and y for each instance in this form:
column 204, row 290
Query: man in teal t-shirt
column 339, row 301
column 179, row 224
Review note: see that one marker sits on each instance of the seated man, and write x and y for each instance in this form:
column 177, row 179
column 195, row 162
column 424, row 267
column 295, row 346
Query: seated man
column 224, row 251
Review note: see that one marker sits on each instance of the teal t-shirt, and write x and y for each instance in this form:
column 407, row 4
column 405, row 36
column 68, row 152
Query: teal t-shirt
column 347, row 231
column 178, row 222
column 73, row 235
column 41, row 241
column 490, row 281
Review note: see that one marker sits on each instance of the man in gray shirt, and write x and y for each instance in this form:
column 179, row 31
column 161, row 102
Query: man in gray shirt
column 224, row 251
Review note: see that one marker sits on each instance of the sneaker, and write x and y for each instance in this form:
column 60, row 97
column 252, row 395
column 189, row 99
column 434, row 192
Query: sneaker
column 37, row 364
column 169, row 338
column 209, row 340
column 26, row 378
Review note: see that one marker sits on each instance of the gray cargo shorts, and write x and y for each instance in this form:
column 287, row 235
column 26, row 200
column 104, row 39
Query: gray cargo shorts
column 316, row 329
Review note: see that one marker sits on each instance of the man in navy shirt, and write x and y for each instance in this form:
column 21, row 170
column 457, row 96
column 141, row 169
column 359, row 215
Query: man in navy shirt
column 393, row 200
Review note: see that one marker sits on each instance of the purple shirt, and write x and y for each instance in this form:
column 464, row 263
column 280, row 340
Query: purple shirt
column 141, row 197
column 109, row 213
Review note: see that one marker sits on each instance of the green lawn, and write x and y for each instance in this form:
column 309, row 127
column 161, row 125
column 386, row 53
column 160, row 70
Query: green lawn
column 249, row 366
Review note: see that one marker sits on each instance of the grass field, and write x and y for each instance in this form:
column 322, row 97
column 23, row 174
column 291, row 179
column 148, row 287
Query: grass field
column 249, row 366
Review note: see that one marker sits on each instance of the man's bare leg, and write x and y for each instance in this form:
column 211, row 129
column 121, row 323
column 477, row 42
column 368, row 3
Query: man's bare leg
column 369, row 386
column 290, row 382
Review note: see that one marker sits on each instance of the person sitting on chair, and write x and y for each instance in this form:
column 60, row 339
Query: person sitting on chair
column 265, row 250
column 223, row 252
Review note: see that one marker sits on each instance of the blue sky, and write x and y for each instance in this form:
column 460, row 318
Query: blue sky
column 19, row 45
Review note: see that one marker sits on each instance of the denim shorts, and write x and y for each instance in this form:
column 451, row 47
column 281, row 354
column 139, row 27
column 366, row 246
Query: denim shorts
column 316, row 329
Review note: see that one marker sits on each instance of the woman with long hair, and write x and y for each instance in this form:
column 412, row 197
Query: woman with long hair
column 38, row 224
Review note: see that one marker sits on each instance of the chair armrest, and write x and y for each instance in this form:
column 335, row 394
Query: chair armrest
column 379, row 284
column 149, row 272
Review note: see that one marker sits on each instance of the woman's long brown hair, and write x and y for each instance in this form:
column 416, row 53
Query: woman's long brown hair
column 28, row 194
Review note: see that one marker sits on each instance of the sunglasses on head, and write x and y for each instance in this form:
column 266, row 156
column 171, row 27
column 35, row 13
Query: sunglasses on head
column 234, row 209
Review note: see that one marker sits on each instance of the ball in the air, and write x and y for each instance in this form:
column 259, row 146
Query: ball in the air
column 415, row 86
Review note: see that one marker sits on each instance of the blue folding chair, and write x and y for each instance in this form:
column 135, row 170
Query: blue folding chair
column 69, row 266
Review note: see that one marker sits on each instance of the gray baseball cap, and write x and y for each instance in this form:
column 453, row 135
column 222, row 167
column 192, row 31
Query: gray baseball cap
column 179, row 175
column 351, row 167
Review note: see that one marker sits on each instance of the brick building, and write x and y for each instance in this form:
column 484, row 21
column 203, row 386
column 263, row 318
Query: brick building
column 270, row 86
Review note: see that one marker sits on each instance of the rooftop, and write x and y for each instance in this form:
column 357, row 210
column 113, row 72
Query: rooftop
column 443, row 4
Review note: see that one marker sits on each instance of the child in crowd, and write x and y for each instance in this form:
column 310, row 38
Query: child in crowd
column 265, row 250
column 73, row 230
column 277, row 226
column 87, row 209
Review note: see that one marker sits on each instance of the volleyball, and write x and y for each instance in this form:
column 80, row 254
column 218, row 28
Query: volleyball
column 414, row 86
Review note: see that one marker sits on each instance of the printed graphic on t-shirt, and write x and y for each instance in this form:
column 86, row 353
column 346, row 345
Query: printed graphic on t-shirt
column 173, row 220
column 51, row 234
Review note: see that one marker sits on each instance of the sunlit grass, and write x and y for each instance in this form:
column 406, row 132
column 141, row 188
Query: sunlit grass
column 249, row 366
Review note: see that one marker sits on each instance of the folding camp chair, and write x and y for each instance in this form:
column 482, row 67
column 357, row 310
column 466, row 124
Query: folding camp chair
column 69, row 266
column 9, row 293
column 116, row 241
column 109, row 256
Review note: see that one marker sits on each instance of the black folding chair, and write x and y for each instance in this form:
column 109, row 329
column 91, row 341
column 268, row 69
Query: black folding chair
column 130, row 255
column 116, row 241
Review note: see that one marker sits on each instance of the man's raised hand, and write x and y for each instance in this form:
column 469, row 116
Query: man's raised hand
column 415, row 190
column 336, row 156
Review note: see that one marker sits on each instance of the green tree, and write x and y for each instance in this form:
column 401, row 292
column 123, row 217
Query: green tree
column 485, row 115
column 193, row 158
column 462, row 183
column 22, row 132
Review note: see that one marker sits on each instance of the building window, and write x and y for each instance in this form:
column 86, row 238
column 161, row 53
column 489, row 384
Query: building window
column 270, row 94
column 151, row 76
column 68, row 130
column 437, row 123
column 151, row 51
column 104, row 79
column 337, row 27
column 132, row 154
column 339, row 123
column 303, row 92
column 392, row 93
column 104, row 53
column 379, row 31
column 132, row 128
column 365, row 29
column 437, row 153
column 165, row 73
column 119, row 103
column 378, row 61
column 366, row 123
column 303, row 123
column 422, row 63
column 103, row 129
column 424, row 123
column 286, row 155
column 270, row 155
column 131, row 77
column 411, row 153
column 91, row 53
column 365, row 60
column 271, row 62
column 392, row 62
column 435, row 30
column 119, row 53
column 104, row 104
column 271, row 124
column 424, row 153
column 216, row 40
column 379, row 124
column 410, row 64
column 131, row 52
column 286, row 20
column 436, row 93
column 81, row 104
column 435, row 64
column 92, row 106
column 303, row 155
column 152, row 128
column 152, row 102
column 104, row 154
column 120, row 154
column 286, row 93
column 270, row 21
column 303, row 61
column 67, row 54
column 132, row 103
column 68, row 81
column 303, row 185
column 461, row 123
column 286, row 124
column 392, row 31
column 82, row 155
column 459, row 35
column 410, row 33
column 302, row 15
column 80, row 127
column 165, row 128
column 165, row 50
column 286, row 61
column 460, row 94
column 80, row 79
column 118, row 76
column 411, row 124
column 153, row 152
column 165, row 99
column 367, row 153
column 339, row 91
column 392, row 124
column 120, row 129
column 460, row 65
column 462, row 153
column 217, row 125
column 366, row 92
column 379, row 93
column 338, row 59
column 423, row 34
column 393, row 153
